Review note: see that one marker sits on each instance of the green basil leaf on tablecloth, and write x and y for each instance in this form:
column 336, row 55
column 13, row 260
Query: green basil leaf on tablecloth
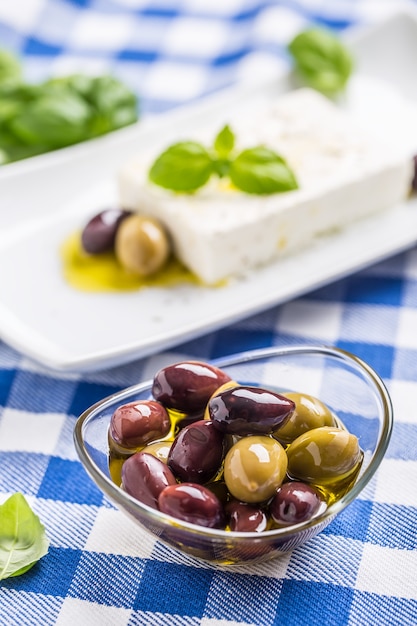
column 22, row 537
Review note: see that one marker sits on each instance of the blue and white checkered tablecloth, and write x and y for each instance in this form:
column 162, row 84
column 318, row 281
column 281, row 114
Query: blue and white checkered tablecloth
column 101, row 569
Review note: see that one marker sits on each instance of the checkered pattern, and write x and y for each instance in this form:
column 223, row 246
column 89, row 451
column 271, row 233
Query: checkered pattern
column 103, row 570
column 168, row 51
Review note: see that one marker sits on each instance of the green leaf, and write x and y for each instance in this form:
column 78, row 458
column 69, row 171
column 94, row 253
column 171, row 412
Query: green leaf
column 183, row 167
column 14, row 98
column 80, row 83
column 261, row 171
column 224, row 142
column 112, row 104
column 22, row 537
column 4, row 157
column 107, row 94
column 60, row 111
column 10, row 68
column 55, row 119
column 321, row 60
column 16, row 152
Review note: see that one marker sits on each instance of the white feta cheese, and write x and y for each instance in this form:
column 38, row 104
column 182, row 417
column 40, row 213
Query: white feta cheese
column 343, row 173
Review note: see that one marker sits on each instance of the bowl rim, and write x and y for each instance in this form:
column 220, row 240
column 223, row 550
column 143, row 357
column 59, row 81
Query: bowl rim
column 119, row 497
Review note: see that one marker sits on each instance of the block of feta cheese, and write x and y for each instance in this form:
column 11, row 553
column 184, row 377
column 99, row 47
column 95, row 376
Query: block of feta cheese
column 343, row 172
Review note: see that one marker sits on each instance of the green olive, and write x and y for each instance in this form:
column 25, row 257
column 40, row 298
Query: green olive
column 323, row 455
column 254, row 468
column 310, row 412
column 160, row 449
column 141, row 245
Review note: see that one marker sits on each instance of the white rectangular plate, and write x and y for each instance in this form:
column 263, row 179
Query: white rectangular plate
column 46, row 198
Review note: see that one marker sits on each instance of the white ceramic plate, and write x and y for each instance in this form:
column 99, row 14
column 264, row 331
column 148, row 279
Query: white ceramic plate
column 46, row 198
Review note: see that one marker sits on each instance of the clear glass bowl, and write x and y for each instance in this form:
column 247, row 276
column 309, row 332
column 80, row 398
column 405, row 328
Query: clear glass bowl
column 344, row 382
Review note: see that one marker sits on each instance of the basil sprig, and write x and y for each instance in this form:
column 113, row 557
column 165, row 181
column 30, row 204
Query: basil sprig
column 59, row 112
column 187, row 166
column 321, row 60
column 22, row 537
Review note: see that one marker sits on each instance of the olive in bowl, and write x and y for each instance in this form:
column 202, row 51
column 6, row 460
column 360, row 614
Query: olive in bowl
column 254, row 497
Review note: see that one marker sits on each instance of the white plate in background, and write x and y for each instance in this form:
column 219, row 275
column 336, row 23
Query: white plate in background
column 46, row 198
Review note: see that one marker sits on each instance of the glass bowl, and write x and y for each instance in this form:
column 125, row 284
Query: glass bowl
column 349, row 386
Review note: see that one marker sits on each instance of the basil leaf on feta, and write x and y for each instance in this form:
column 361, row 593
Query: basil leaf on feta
column 321, row 60
column 187, row 166
column 183, row 167
column 22, row 537
column 261, row 171
column 224, row 142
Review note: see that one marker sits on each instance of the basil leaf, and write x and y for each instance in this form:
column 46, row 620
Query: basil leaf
column 113, row 105
column 10, row 68
column 224, row 142
column 56, row 119
column 321, row 60
column 58, row 112
column 22, row 537
column 4, row 157
column 184, row 167
column 261, row 171
column 221, row 167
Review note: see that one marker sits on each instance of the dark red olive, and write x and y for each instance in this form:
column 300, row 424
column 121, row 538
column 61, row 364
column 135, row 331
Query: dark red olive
column 100, row 232
column 197, row 452
column 136, row 423
column 188, row 385
column 249, row 410
column 144, row 477
column 192, row 503
column 245, row 517
column 414, row 180
column 295, row 502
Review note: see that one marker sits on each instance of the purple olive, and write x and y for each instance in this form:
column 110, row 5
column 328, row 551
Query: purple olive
column 249, row 410
column 295, row 502
column 144, row 477
column 187, row 386
column 136, row 423
column 244, row 517
column 414, row 180
column 197, row 452
column 100, row 232
column 192, row 503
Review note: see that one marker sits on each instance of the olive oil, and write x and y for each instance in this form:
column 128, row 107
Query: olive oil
column 118, row 454
column 102, row 272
